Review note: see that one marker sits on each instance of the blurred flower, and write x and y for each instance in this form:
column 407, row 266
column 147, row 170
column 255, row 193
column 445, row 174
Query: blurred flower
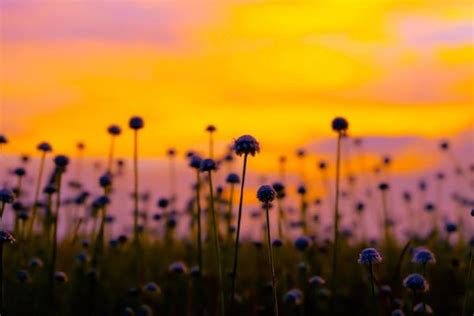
column 35, row 262
column 340, row 124
column 6, row 196
column 316, row 281
column 114, row 130
column 302, row 243
column 245, row 145
column 208, row 165
column 60, row 277
column 416, row 282
column 61, row 161
column 423, row 256
column 233, row 178
column 6, row 237
column 369, row 256
column 266, row 194
column 23, row 276
column 144, row 310
column 136, row 123
column 152, row 287
column 178, row 267
column 293, row 296
column 397, row 312
column 422, row 309
column 451, row 227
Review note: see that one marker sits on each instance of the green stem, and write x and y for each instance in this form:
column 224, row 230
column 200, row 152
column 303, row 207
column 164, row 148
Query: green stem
column 237, row 235
column 55, row 232
column 216, row 246
column 272, row 266
column 372, row 286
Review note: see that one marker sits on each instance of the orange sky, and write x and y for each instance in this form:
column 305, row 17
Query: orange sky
column 273, row 69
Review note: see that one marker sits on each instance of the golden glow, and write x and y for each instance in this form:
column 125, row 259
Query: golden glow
column 269, row 68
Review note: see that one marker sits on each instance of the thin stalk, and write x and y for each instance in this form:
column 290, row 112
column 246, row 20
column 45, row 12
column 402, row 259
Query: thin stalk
column 270, row 258
column 37, row 191
column 237, row 235
column 1, row 279
column 372, row 286
column 336, row 224
column 216, row 246
column 135, row 187
column 111, row 154
column 55, row 232
column 229, row 213
column 199, row 226
column 469, row 274
column 211, row 145
column 2, row 209
column 385, row 217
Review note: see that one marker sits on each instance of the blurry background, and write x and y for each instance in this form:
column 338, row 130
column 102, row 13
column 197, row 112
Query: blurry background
column 400, row 71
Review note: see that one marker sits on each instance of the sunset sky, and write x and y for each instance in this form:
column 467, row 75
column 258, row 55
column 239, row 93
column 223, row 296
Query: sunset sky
column 398, row 70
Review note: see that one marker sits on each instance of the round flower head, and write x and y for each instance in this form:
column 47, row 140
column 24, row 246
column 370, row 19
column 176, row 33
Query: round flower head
column 178, row 267
column 416, row 282
column 3, row 139
column 49, row 189
column 233, row 178
column 6, row 237
column 208, row 165
column 44, row 147
column 316, row 281
column 302, row 243
column 422, row 309
column 266, row 194
column 472, row 212
column 152, row 288
column 407, row 196
column 60, row 277
column 19, row 171
column 114, row 130
column 195, row 272
column 444, row 145
column 210, row 128
column 340, row 124
column 162, row 203
column 61, row 161
column 423, row 256
column 369, row 256
column 22, row 276
column 294, row 296
column 144, row 310
column 6, row 196
column 245, row 145
column 451, row 227
column 195, row 162
column 397, row 312
column 105, row 180
column 35, row 263
column 384, row 186
column 136, row 123
column 360, row 206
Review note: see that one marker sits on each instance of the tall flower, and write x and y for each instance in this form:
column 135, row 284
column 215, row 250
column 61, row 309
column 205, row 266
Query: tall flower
column 340, row 126
column 369, row 257
column 195, row 163
column 44, row 148
column 114, row 131
column 211, row 129
column 209, row 165
column 266, row 194
column 245, row 145
column 5, row 238
column 135, row 123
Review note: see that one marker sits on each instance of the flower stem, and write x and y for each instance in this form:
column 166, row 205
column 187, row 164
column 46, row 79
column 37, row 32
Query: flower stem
column 336, row 224
column 1, row 278
column 372, row 286
column 37, row 191
column 237, row 235
column 272, row 267
column 135, row 187
column 216, row 246
column 469, row 274
column 199, row 227
column 229, row 214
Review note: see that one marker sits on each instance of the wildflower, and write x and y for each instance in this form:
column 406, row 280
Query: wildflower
column 128, row 312
column 266, row 194
column 19, row 171
column 195, row 272
column 384, row 186
column 423, row 256
column 3, row 139
column 6, row 237
column 208, row 165
column 105, row 180
column 340, row 124
column 60, row 277
column 369, row 256
column 6, row 196
column 61, row 161
column 397, row 312
column 360, row 206
column 293, row 296
column 416, row 282
column 233, row 178
column 178, row 267
column 245, row 145
column 114, row 130
column 277, row 243
column 302, row 243
column 152, row 288
column 163, row 203
column 451, row 227
column 302, row 190
column 195, row 162
column 211, row 128
column 35, row 262
column 316, row 281
column 136, row 123
column 44, row 147
column 23, row 276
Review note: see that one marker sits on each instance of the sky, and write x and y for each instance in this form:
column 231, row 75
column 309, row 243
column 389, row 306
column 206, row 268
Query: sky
column 401, row 72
